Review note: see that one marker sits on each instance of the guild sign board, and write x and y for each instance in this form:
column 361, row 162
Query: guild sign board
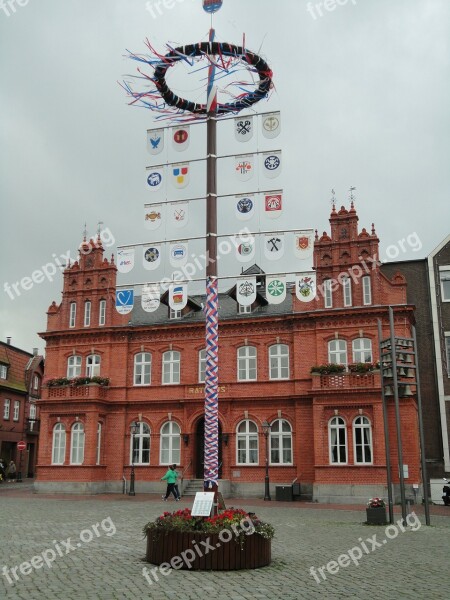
column 203, row 504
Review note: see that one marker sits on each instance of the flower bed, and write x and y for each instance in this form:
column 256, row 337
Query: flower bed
column 61, row 381
column 232, row 540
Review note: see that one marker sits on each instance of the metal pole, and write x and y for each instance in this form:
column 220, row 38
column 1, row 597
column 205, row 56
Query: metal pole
column 19, row 474
column 422, row 438
column 211, row 474
column 132, row 492
column 266, row 479
column 387, row 443
column 397, row 413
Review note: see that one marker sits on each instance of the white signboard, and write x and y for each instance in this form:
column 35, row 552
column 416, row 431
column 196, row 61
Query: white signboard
column 203, row 504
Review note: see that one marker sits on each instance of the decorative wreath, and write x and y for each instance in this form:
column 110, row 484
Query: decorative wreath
column 224, row 53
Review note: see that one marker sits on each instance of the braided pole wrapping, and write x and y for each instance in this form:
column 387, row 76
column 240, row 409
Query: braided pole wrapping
column 211, row 384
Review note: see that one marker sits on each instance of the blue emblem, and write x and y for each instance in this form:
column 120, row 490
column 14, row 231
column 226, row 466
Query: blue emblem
column 124, row 301
column 212, row 6
column 154, row 179
column 245, row 205
column 272, row 162
column 155, row 142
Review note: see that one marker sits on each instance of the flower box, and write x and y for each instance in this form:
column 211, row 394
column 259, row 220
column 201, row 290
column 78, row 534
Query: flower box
column 217, row 555
column 376, row 516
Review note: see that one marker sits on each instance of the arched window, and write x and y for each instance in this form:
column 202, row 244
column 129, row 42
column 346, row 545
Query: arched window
column 87, row 313
column 102, row 312
column 72, row 314
column 171, row 367
column 362, row 440
column 170, row 444
column 367, row 290
column 281, row 442
column 93, row 365
column 246, row 363
column 99, row 444
column 279, row 361
column 202, row 365
column 362, row 350
column 247, row 443
column 140, row 445
column 77, row 444
column 59, row 444
column 328, row 293
column 73, row 366
column 142, row 368
column 337, row 352
column 337, row 432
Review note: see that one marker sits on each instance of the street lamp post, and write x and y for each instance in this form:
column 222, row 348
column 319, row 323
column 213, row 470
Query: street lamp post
column 266, row 430
column 134, row 430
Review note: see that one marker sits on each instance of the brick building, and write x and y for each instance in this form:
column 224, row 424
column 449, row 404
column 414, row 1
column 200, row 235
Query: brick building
column 428, row 288
column 21, row 376
column 326, row 429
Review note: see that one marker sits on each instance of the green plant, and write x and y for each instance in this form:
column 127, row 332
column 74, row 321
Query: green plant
column 376, row 503
column 328, row 368
column 365, row 367
column 75, row 381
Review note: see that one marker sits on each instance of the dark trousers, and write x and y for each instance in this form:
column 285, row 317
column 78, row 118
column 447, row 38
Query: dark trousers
column 171, row 490
column 177, row 491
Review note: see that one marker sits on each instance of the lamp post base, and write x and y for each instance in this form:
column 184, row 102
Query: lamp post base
column 267, row 489
column 132, row 492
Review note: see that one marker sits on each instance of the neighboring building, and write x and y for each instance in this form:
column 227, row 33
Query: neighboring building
column 21, row 376
column 327, row 429
column 428, row 289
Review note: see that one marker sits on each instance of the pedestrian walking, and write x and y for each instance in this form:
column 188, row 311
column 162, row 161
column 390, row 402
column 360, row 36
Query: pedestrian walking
column 11, row 471
column 2, row 471
column 175, row 487
column 171, row 478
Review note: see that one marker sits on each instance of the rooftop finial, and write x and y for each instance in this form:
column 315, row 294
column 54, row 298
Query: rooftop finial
column 333, row 200
column 352, row 195
column 85, row 232
column 99, row 229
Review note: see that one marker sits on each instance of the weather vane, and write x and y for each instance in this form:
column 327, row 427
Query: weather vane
column 351, row 190
column 333, row 197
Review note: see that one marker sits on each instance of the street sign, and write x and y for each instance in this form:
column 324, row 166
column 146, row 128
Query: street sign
column 21, row 446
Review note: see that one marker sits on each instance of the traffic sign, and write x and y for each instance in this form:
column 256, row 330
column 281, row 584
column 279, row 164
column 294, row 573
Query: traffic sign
column 21, row 446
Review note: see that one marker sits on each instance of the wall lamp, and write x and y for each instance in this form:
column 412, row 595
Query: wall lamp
column 186, row 439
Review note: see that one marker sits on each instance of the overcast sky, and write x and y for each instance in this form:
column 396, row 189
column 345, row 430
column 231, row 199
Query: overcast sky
column 363, row 90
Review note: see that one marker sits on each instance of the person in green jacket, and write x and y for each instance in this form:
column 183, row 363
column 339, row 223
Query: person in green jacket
column 171, row 478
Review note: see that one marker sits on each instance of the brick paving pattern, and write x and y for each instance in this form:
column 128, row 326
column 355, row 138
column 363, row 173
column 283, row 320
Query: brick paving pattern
column 414, row 565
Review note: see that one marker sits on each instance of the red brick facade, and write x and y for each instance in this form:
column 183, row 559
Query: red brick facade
column 305, row 402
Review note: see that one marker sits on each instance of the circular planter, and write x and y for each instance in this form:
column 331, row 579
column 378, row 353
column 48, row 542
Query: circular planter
column 217, row 553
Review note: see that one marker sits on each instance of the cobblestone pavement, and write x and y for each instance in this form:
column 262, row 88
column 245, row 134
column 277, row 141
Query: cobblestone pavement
column 98, row 563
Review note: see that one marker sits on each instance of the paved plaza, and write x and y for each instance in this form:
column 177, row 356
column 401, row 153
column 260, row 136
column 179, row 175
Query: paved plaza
column 103, row 559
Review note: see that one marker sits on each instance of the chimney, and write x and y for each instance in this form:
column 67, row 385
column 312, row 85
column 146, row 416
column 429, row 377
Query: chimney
column 35, row 351
column 8, row 341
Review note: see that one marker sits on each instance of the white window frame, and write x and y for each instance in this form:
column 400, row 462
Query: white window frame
column 247, row 443
column 72, row 314
column 174, row 314
column 7, row 409
column 244, row 310
column 337, row 424
column 16, row 413
column 447, row 347
column 281, row 436
column 347, row 291
column 102, row 312
column 364, row 351
column 58, row 444
column 367, row 290
column 328, row 293
column 170, row 434
column 98, row 453
column 171, row 367
column 139, row 446
column 444, row 276
column 3, row 371
column 87, row 313
column 74, row 366
column 279, row 361
column 142, row 369
column 202, row 365
column 247, row 363
column 36, row 380
column 33, row 412
column 339, row 352
column 77, row 440
column 93, row 362
column 362, row 424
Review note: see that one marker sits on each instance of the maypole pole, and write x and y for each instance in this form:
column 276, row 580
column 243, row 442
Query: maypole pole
column 211, row 467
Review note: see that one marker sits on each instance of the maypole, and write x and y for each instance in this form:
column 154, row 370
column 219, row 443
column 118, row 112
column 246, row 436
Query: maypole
column 211, row 468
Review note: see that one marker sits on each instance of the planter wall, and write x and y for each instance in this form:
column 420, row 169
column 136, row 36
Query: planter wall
column 163, row 546
column 376, row 516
